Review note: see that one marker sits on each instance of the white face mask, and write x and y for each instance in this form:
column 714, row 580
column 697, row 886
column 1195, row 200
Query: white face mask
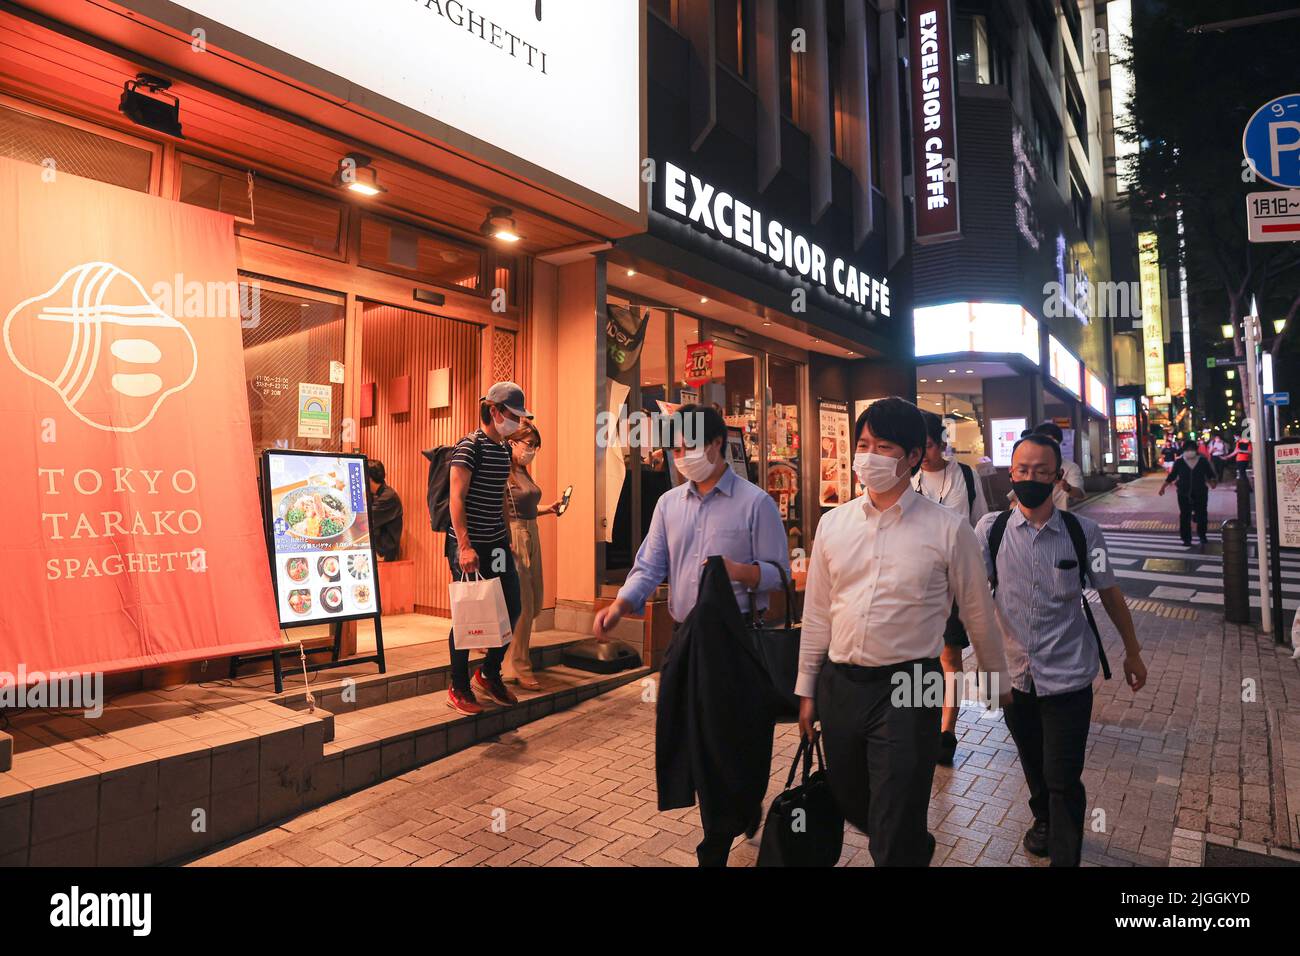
column 506, row 426
column 879, row 473
column 695, row 464
column 524, row 454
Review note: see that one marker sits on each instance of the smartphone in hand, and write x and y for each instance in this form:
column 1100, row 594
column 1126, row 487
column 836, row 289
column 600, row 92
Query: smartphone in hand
column 564, row 501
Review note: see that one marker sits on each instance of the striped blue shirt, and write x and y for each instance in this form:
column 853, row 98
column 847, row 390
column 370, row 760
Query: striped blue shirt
column 1050, row 647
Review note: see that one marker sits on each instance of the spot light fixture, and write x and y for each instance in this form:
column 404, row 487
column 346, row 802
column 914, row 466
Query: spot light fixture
column 355, row 174
column 500, row 224
column 154, row 109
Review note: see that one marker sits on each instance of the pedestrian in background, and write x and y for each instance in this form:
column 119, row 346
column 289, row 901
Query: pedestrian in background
column 523, row 497
column 1194, row 478
column 954, row 485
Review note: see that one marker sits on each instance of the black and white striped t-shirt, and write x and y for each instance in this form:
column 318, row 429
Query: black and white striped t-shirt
column 487, row 486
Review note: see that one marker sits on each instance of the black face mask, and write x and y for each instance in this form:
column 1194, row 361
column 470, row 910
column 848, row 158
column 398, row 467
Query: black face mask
column 1031, row 494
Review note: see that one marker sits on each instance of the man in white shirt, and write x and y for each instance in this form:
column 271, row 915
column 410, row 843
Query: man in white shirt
column 884, row 571
column 954, row 485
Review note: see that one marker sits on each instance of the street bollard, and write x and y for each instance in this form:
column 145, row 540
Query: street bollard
column 1243, row 501
column 1236, row 567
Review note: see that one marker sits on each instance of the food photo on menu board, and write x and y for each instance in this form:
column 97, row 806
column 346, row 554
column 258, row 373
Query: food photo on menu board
column 317, row 515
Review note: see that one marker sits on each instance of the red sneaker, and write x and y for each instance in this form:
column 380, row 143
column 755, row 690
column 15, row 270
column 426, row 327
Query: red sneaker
column 495, row 688
column 463, row 703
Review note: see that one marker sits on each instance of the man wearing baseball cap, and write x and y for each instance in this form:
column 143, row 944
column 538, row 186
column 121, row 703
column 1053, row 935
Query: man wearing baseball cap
column 480, row 541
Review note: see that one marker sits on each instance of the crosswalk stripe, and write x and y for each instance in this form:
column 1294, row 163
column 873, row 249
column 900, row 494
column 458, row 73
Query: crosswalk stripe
column 1288, row 570
column 1204, row 581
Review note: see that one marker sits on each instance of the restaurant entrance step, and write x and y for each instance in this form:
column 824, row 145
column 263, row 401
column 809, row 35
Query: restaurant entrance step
column 162, row 775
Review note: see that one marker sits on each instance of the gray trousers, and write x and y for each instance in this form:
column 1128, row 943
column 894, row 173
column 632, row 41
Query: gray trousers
column 880, row 756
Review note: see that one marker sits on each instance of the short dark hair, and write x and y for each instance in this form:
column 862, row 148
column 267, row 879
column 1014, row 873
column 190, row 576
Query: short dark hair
column 933, row 427
column 1051, row 430
column 1190, row 445
column 485, row 412
column 1041, row 440
column 375, row 470
column 895, row 420
column 714, row 425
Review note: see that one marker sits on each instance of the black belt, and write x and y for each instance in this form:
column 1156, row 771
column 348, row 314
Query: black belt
column 861, row 674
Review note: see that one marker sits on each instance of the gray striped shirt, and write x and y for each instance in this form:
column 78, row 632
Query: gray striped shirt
column 1050, row 647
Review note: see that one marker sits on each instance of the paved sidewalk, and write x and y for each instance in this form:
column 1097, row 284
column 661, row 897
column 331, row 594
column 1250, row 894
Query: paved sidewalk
column 1185, row 760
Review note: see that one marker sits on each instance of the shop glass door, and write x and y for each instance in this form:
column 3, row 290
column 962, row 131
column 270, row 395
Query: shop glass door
column 294, row 344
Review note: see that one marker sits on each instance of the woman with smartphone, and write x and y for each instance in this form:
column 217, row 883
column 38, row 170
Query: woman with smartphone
column 523, row 495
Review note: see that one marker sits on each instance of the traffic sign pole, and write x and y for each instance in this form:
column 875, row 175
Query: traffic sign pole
column 1251, row 391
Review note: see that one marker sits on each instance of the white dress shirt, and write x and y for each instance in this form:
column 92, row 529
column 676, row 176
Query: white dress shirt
column 881, row 585
column 948, row 488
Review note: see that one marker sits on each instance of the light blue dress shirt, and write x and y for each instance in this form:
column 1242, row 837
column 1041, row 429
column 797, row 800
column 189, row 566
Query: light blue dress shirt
column 736, row 519
column 1049, row 643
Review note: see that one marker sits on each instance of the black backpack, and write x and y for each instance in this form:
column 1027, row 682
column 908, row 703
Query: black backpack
column 1080, row 543
column 970, row 486
column 439, row 492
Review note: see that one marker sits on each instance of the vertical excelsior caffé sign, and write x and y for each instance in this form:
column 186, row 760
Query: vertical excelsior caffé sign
column 934, row 122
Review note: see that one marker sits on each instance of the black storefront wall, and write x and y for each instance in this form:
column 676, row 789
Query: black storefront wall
column 726, row 160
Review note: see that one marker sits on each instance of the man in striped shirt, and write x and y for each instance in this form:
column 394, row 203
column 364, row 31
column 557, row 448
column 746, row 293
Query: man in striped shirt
column 1053, row 653
column 479, row 542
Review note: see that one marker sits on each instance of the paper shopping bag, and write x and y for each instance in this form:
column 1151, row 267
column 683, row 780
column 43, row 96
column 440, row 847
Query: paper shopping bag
column 479, row 616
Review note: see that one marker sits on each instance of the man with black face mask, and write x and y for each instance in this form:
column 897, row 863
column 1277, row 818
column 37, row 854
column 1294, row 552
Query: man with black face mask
column 1038, row 558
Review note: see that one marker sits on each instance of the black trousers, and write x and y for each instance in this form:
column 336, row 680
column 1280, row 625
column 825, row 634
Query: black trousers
column 881, row 750
column 1193, row 506
column 493, row 562
column 1051, row 734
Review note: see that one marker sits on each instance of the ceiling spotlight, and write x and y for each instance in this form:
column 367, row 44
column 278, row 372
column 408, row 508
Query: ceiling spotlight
column 952, row 371
column 703, row 300
column 970, row 371
column 500, row 224
column 161, row 111
column 939, row 380
column 630, row 273
column 924, row 380
column 355, row 174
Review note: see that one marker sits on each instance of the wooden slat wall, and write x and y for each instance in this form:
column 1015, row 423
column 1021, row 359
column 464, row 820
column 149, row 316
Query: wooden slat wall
column 398, row 342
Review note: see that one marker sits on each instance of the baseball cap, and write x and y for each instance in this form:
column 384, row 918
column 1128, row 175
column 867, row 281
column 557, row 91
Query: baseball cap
column 511, row 396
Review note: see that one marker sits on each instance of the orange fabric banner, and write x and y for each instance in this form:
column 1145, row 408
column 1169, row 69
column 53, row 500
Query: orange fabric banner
column 133, row 535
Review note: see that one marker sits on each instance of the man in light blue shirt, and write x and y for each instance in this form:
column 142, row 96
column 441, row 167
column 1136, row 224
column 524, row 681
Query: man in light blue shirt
column 1053, row 652
column 712, row 512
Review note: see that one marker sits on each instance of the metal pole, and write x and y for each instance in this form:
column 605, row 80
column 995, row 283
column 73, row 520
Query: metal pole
column 1254, row 407
column 1236, row 581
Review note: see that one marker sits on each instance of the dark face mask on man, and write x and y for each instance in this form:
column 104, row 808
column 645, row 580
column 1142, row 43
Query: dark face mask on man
column 1031, row 494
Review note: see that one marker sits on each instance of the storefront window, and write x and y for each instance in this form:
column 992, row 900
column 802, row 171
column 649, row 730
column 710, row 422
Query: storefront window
column 78, row 152
column 965, row 417
column 784, row 442
column 405, row 250
column 276, row 213
column 293, row 351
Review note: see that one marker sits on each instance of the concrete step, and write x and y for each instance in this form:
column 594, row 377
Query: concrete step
column 387, row 740
column 361, row 692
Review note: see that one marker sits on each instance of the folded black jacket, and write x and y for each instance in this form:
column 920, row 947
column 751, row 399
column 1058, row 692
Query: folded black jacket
column 716, row 714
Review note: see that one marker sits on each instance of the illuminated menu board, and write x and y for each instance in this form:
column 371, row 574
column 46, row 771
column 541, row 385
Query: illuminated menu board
column 316, row 508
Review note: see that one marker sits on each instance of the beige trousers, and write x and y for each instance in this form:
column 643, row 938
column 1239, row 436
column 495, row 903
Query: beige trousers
column 527, row 550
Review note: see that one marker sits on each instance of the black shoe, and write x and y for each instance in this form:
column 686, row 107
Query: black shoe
column 947, row 747
column 1036, row 839
column 930, row 859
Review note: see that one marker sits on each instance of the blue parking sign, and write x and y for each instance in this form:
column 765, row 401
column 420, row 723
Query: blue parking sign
column 1272, row 141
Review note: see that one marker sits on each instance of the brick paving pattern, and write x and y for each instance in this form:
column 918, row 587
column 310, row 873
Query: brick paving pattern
column 1183, row 761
